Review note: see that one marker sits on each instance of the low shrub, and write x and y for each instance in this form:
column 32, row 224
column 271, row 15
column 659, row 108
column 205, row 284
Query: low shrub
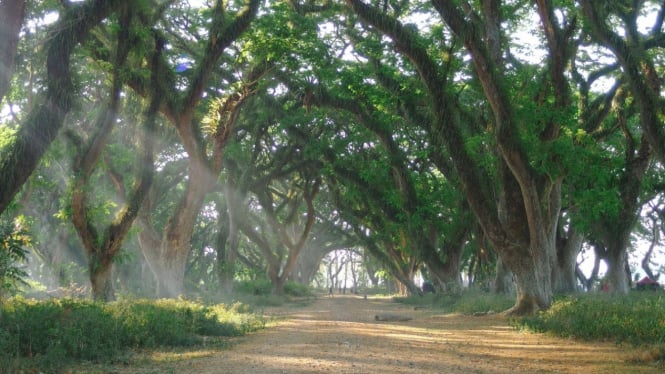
column 254, row 287
column 429, row 299
column 151, row 323
column 637, row 318
column 479, row 301
column 42, row 334
column 297, row 289
column 467, row 302
column 55, row 331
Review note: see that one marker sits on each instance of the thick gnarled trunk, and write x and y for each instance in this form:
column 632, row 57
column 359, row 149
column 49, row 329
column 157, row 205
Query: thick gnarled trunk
column 101, row 280
column 532, row 282
column 167, row 253
column 618, row 275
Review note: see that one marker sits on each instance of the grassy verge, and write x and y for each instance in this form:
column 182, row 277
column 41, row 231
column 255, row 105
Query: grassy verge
column 637, row 318
column 468, row 302
column 44, row 336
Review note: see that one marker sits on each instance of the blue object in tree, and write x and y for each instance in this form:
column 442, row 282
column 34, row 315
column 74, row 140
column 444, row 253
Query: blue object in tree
column 182, row 67
column 185, row 65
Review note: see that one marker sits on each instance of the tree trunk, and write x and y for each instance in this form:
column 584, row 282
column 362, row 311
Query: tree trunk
column 309, row 262
column 101, row 280
column 11, row 20
column 638, row 68
column 407, row 285
column 618, row 280
column 167, row 253
column 171, row 269
column 529, row 250
column 170, row 259
column 278, row 285
column 646, row 260
column 227, row 256
column 532, row 281
column 564, row 280
column 503, row 281
column 447, row 274
column 225, row 269
column 101, row 248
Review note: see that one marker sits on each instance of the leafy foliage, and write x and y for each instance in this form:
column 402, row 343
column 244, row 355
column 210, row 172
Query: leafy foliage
column 468, row 302
column 637, row 318
column 254, row 287
column 54, row 332
column 343, row 99
column 13, row 242
column 296, row 289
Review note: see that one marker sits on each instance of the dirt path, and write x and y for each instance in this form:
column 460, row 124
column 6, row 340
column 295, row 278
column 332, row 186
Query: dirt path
column 340, row 335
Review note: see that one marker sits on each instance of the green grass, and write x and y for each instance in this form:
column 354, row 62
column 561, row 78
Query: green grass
column 43, row 335
column 467, row 302
column 637, row 318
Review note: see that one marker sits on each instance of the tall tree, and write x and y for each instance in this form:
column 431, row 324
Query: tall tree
column 521, row 226
column 167, row 251
column 635, row 53
column 41, row 125
column 101, row 248
column 612, row 230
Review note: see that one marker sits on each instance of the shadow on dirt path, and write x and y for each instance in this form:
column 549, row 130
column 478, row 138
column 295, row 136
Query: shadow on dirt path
column 341, row 335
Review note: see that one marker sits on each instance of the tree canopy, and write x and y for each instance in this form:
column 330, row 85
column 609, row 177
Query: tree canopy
column 214, row 139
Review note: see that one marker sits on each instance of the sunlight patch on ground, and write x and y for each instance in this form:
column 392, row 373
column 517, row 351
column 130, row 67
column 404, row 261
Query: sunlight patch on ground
column 179, row 356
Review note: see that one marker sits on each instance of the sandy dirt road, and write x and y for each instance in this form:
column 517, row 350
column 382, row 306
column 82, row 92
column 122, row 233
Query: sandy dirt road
column 341, row 335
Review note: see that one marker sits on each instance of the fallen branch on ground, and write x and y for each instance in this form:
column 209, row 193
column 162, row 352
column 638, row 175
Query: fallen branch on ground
column 391, row 318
